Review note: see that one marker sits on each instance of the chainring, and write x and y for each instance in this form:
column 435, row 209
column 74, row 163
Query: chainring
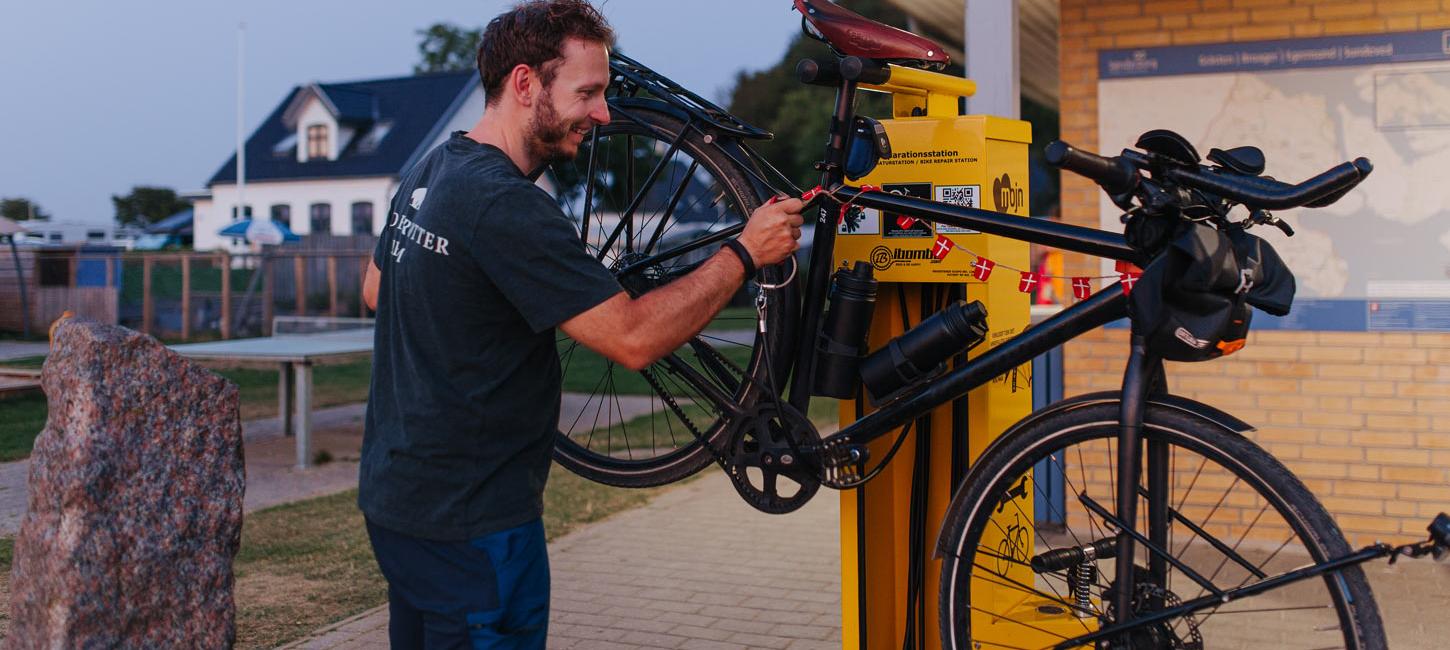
column 771, row 448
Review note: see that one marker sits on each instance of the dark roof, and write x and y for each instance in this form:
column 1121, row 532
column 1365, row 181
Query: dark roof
column 412, row 109
column 354, row 105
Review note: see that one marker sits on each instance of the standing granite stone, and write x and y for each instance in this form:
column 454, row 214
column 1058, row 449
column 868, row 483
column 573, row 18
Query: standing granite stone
column 135, row 500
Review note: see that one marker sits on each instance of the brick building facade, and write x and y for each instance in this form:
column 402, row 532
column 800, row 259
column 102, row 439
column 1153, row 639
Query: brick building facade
column 1362, row 418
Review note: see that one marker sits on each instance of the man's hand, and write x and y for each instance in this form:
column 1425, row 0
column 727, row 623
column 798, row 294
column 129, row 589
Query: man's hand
column 773, row 230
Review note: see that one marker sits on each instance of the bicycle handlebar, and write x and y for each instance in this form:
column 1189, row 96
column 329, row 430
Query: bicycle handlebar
column 1274, row 195
column 1114, row 174
column 1120, row 174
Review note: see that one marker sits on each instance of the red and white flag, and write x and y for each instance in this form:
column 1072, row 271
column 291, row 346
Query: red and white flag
column 942, row 247
column 905, row 221
column 1081, row 288
column 1029, row 280
column 982, row 268
column 1127, row 279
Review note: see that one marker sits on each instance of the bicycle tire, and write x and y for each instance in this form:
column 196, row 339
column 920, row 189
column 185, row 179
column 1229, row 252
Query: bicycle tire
column 1024, row 446
column 683, row 454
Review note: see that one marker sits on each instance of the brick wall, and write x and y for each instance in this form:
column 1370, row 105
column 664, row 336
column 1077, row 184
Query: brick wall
column 1362, row 418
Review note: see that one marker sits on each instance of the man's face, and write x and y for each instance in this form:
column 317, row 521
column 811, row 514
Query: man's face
column 573, row 104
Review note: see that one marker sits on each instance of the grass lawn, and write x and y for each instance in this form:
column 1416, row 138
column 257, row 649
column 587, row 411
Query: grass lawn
column 308, row 564
column 583, row 369
column 733, row 318
column 22, row 418
column 166, row 279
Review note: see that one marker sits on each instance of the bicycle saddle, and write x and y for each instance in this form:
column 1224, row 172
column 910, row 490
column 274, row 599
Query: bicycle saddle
column 851, row 34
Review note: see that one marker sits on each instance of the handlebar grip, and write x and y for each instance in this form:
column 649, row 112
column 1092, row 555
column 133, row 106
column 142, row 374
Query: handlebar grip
column 819, row 72
column 1272, row 195
column 1116, row 176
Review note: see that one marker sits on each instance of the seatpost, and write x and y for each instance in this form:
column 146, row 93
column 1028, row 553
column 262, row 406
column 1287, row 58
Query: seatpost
column 824, row 241
column 1136, row 381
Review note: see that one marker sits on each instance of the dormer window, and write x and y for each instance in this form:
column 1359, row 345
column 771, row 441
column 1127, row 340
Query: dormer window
column 317, row 142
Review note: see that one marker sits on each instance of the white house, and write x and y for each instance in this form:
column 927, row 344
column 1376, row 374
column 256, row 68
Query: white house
column 329, row 156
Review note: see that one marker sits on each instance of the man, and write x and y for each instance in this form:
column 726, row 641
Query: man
column 475, row 269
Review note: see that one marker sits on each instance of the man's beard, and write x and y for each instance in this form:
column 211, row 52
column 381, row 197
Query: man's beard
column 547, row 134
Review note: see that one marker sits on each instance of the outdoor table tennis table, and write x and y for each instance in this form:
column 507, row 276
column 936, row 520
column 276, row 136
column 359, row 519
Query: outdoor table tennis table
column 294, row 354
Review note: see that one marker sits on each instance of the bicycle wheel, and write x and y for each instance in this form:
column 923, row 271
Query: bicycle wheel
column 645, row 190
column 1236, row 516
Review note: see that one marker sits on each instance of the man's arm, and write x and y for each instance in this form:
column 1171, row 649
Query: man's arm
column 636, row 332
column 370, row 285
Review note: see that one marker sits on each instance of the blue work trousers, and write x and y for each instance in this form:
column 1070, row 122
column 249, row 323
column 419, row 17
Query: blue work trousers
column 490, row 592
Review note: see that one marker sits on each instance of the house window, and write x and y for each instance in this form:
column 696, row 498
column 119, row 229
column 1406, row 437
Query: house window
column 362, row 218
column 247, row 210
column 55, row 236
column 96, row 235
column 317, row 141
column 321, row 218
column 282, row 215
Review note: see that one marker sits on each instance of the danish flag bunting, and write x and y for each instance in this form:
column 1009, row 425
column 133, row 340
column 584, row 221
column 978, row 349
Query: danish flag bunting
column 1081, row 288
column 982, row 269
column 1127, row 279
column 943, row 246
column 1029, row 280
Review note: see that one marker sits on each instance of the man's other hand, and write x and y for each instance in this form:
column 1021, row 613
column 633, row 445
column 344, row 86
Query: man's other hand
column 773, row 230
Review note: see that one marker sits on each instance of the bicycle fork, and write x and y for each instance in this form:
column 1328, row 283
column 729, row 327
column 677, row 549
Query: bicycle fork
column 1142, row 375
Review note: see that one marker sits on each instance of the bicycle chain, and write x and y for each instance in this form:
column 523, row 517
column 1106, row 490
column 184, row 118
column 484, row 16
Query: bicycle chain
column 674, row 406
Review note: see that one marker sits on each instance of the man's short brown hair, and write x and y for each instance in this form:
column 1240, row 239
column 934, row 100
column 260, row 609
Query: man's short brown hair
column 533, row 33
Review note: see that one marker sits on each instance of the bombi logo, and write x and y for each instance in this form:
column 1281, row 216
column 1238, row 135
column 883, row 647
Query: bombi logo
column 883, row 258
column 1006, row 196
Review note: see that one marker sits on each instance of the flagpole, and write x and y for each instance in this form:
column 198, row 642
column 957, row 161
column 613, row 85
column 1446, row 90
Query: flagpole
column 241, row 142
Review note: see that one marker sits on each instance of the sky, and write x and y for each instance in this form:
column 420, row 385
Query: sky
column 99, row 96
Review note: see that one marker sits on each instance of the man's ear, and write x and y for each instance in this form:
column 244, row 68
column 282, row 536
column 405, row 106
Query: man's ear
column 522, row 81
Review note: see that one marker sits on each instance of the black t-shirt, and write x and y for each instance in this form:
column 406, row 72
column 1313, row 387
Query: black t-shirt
column 478, row 267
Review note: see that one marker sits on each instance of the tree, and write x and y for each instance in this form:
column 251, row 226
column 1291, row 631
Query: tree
column 447, row 48
column 147, row 205
column 799, row 115
column 21, row 209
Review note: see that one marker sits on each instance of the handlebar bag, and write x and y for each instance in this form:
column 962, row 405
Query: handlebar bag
column 1191, row 303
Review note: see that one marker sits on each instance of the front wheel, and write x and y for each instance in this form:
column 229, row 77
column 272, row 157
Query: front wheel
column 1236, row 516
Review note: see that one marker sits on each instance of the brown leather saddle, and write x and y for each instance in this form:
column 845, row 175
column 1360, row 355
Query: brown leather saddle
column 852, row 34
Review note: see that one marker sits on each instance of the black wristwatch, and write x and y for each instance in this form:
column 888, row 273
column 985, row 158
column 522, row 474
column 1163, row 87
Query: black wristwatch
column 745, row 260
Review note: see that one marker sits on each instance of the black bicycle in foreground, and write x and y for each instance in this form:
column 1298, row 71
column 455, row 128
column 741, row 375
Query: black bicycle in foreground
column 1178, row 528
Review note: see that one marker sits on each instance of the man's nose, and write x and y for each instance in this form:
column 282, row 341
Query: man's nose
column 600, row 112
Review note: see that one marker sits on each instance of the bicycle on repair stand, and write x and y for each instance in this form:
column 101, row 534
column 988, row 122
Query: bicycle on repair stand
column 1179, row 529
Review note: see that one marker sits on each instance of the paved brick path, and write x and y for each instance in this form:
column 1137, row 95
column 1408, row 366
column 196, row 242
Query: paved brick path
column 695, row 569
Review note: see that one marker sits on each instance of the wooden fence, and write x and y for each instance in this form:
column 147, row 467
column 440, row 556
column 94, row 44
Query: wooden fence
column 187, row 295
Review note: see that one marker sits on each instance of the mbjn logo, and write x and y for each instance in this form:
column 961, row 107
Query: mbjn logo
column 1006, row 196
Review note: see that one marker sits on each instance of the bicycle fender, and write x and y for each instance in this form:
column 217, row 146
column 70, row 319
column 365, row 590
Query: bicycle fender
column 1193, row 408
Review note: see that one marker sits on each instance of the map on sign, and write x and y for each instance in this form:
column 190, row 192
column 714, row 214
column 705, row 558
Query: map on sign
column 1310, row 105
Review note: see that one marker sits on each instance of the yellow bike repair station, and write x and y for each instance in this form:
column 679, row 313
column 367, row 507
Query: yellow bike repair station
column 889, row 571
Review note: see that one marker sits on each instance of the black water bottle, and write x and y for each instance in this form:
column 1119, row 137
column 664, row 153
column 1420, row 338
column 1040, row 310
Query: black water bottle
column 917, row 353
column 842, row 342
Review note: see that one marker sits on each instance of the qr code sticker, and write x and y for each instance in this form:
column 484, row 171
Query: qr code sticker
column 967, row 196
